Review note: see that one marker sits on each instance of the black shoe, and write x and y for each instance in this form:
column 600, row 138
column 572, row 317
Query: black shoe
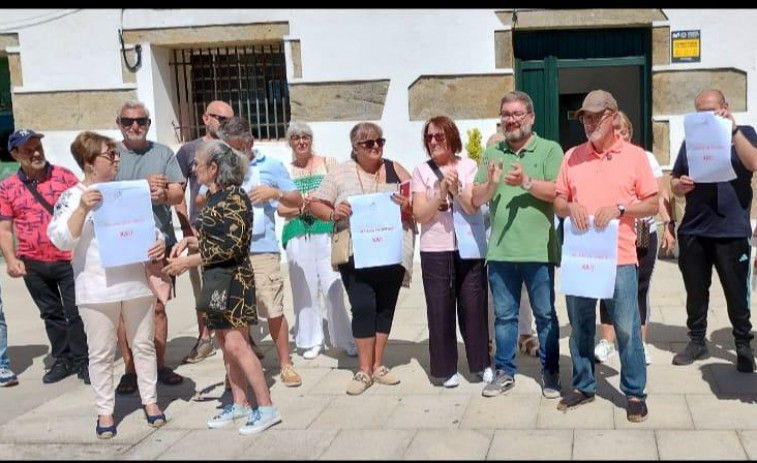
column 745, row 359
column 59, row 370
column 574, row 399
column 693, row 351
column 83, row 374
column 636, row 411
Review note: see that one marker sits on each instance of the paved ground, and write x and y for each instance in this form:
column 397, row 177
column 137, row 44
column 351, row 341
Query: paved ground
column 703, row 411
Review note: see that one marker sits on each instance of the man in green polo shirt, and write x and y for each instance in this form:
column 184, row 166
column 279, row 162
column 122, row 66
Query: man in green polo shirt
column 517, row 177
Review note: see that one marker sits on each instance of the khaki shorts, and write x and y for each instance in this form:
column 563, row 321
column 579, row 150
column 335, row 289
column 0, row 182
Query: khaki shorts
column 269, row 284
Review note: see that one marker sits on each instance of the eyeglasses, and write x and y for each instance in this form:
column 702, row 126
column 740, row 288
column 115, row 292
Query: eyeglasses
column 218, row 117
column 303, row 137
column 110, row 155
column 595, row 119
column 439, row 137
column 369, row 144
column 514, row 116
column 128, row 121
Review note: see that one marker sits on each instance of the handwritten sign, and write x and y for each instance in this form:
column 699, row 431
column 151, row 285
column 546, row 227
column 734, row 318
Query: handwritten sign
column 589, row 260
column 376, row 230
column 124, row 222
column 470, row 233
column 708, row 147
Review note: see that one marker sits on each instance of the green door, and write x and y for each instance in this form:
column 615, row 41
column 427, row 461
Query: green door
column 539, row 80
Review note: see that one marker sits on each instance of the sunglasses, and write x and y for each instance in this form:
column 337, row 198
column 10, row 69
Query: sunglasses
column 369, row 144
column 110, row 155
column 218, row 117
column 128, row 121
column 439, row 137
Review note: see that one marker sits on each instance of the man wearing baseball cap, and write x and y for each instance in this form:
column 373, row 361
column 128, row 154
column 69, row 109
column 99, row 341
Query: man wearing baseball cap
column 609, row 179
column 26, row 207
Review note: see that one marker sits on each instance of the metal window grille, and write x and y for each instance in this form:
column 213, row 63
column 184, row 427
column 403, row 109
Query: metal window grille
column 252, row 79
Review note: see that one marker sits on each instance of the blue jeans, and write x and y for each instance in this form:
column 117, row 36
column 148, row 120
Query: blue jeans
column 624, row 312
column 4, row 360
column 506, row 280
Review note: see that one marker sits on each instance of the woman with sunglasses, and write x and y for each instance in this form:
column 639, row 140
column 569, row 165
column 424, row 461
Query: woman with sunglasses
column 451, row 283
column 307, row 242
column 105, row 295
column 373, row 291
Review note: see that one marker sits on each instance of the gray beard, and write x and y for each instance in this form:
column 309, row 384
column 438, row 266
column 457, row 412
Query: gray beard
column 524, row 133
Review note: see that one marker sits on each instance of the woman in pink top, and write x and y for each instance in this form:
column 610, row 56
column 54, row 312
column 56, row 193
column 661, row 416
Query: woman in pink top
column 450, row 282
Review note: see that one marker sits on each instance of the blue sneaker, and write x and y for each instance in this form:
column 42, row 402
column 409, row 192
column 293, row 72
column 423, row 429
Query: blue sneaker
column 7, row 377
column 260, row 419
column 228, row 415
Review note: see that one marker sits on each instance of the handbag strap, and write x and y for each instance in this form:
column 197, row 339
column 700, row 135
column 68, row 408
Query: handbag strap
column 38, row 196
column 438, row 172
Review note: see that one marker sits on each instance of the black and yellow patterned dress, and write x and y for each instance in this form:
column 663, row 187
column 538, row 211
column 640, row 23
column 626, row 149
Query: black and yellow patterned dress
column 225, row 233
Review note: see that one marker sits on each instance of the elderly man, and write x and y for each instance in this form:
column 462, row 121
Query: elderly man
column 609, row 179
column 523, row 243
column 26, row 205
column 216, row 113
column 143, row 159
column 715, row 232
column 267, row 183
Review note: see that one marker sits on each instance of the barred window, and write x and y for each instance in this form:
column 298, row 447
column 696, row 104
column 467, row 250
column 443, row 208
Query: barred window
column 252, row 79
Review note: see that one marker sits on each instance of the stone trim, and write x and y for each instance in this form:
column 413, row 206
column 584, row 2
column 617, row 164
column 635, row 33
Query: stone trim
column 660, row 46
column 589, row 17
column 661, row 141
column 296, row 58
column 14, row 67
column 459, row 97
column 673, row 92
column 338, row 101
column 8, row 40
column 84, row 110
column 504, row 54
column 202, row 36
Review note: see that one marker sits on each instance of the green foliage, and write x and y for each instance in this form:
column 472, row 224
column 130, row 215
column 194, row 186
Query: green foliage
column 474, row 147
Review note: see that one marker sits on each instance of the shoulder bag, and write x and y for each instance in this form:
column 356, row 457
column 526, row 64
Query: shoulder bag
column 216, row 288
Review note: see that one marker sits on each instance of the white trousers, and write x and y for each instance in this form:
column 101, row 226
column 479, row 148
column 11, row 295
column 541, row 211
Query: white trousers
column 100, row 324
column 309, row 262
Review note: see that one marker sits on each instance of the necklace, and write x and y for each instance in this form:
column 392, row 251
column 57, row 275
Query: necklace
column 375, row 178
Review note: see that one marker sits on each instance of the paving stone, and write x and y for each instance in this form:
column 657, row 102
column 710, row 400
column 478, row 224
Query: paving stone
column 699, row 445
column 443, row 444
column 614, row 445
column 373, row 444
column 524, row 445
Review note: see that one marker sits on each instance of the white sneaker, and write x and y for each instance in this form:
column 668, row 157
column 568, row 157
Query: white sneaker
column 351, row 350
column 452, row 381
column 259, row 420
column 487, row 375
column 604, row 350
column 228, row 415
column 647, row 354
column 312, row 353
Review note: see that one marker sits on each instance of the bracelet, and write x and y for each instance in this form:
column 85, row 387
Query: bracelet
column 331, row 216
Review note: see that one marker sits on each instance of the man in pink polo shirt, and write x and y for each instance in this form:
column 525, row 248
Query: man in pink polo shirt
column 609, row 179
column 26, row 207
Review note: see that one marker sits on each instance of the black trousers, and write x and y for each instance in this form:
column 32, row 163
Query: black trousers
column 51, row 285
column 730, row 257
column 373, row 294
column 454, row 285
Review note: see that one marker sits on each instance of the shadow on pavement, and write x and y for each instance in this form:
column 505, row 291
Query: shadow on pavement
column 22, row 357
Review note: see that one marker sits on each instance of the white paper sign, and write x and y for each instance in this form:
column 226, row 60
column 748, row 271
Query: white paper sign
column 589, row 260
column 708, row 147
column 124, row 222
column 376, row 229
column 258, row 211
column 470, row 233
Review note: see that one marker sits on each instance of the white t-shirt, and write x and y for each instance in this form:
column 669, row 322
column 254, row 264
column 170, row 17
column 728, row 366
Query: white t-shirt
column 94, row 284
column 657, row 173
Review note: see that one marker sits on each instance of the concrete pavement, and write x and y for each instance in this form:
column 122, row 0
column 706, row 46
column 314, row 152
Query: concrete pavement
column 707, row 410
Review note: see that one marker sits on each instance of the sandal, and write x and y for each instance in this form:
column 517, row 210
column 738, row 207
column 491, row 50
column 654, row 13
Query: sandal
column 127, row 384
column 169, row 377
column 529, row 346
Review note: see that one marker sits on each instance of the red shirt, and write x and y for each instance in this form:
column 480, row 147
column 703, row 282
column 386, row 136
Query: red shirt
column 30, row 218
column 621, row 175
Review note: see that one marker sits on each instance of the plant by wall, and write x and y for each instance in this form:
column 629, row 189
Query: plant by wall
column 474, row 147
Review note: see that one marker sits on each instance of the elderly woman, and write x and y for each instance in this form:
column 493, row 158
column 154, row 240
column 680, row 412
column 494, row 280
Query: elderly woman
column 452, row 284
column 647, row 256
column 373, row 291
column 307, row 241
column 223, row 241
column 104, row 295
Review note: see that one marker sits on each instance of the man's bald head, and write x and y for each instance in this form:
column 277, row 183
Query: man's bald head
column 710, row 100
column 216, row 112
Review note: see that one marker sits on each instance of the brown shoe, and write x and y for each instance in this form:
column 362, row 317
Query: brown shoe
column 384, row 376
column 359, row 383
column 290, row 377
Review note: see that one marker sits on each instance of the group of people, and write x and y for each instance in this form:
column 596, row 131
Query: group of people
column 229, row 246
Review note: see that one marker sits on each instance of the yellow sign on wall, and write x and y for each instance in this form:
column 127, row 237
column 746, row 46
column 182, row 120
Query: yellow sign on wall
column 685, row 46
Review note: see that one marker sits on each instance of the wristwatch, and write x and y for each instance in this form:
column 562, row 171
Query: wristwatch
column 528, row 182
column 622, row 209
